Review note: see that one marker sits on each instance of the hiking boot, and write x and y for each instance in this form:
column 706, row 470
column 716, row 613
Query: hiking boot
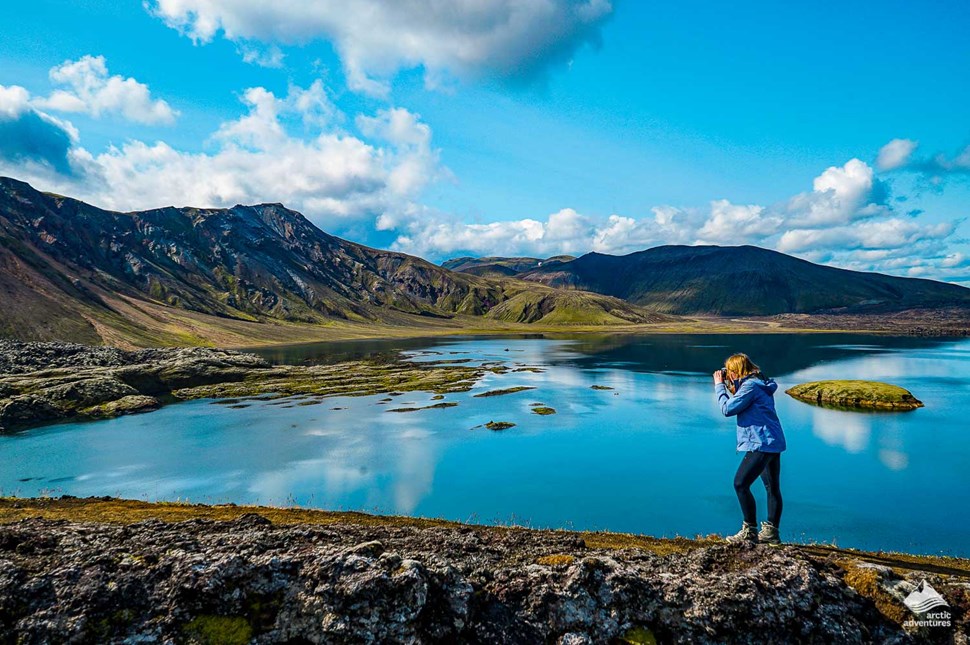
column 748, row 533
column 769, row 533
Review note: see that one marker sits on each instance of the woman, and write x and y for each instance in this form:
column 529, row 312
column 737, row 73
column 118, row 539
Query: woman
column 761, row 439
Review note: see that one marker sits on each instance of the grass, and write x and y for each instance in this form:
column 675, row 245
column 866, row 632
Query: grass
column 556, row 560
column 132, row 322
column 855, row 394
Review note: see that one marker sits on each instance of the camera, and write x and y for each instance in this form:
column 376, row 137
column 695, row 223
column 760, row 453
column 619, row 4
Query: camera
column 723, row 372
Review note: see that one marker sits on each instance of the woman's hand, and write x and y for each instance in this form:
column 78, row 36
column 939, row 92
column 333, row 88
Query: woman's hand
column 718, row 377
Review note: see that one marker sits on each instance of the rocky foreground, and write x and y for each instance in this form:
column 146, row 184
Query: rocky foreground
column 231, row 575
column 42, row 383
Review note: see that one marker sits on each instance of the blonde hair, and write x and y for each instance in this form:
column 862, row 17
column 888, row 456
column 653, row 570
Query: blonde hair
column 741, row 365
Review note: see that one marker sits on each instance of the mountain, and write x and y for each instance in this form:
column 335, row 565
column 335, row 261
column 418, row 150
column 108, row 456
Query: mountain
column 497, row 267
column 742, row 281
column 71, row 271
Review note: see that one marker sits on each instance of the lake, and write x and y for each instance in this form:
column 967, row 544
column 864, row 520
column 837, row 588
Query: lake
column 652, row 455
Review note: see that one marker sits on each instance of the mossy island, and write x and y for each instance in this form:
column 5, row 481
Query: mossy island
column 856, row 395
column 499, row 425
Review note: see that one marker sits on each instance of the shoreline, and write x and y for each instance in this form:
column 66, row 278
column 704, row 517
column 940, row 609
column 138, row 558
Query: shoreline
column 702, row 326
column 119, row 510
column 274, row 574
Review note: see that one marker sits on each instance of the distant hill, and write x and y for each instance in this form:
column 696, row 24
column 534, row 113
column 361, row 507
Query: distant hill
column 497, row 267
column 71, row 271
column 740, row 281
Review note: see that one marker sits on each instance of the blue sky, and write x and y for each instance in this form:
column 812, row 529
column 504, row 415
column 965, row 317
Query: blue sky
column 836, row 133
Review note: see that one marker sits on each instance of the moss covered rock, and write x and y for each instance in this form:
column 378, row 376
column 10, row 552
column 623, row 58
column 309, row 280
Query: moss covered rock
column 863, row 395
column 499, row 425
column 502, row 392
column 125, row 405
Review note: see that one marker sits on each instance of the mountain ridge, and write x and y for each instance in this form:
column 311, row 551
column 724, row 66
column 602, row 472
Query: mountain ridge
column 742, row 280
column 65, row 264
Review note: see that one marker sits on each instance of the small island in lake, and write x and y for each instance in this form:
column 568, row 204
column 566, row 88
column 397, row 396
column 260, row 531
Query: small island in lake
column 856, row 395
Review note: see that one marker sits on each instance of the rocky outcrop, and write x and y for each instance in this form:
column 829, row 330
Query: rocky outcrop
column 251, row 580
column 45, row 382
column 48, row 382
column 861, row 395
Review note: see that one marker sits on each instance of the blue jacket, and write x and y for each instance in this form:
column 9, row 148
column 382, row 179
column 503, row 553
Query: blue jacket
column 759, row 429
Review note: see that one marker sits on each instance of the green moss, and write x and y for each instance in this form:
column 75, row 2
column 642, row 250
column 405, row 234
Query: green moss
column 855, row 395
column 132, row 404
column 499, row 425
column 436, row 406
column 639, row 636
column 109, row 626
column 543, row 410
column 600, row 387
column 508, row 390
column 218, row 630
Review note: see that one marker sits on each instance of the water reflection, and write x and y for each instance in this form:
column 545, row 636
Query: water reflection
column 779, row 354
column 848, row 430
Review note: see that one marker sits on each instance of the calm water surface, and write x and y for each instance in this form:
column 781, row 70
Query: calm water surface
column 653, row 455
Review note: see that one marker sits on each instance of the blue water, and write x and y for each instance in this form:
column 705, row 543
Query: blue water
column 652, row 456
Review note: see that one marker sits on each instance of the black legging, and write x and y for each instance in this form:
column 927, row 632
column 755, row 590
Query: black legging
column 768, row 466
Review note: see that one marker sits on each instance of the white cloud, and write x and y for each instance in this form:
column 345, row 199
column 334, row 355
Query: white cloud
column 90, row 90
column 898, row 154
column 954, row 260
column 891, row 233
column 416, row 163
column 841, row 194
column 436, row 233
column 270, row 57
column 377, row 38
column 331, row 175
column 14, row 101
column 737, row 223
column 895, row 154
